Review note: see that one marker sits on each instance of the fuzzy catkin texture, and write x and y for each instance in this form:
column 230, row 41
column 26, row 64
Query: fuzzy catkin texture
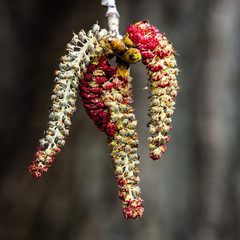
column 80, row 50
column 91, row 86
column 106, row 93
column 158, row 56
column 124, row 142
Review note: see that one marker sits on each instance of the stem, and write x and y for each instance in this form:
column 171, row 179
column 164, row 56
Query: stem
column 112, row 16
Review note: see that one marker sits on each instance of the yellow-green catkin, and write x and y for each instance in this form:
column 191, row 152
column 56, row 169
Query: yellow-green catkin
column 124, row 142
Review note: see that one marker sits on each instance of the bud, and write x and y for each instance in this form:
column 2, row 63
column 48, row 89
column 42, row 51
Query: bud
column 117, row 46
column 127, row 41
column 132, row 55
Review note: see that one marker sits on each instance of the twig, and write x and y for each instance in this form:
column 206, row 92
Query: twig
column 112, row 16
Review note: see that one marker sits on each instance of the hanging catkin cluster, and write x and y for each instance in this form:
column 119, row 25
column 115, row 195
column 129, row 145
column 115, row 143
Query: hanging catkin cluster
column 106, row 93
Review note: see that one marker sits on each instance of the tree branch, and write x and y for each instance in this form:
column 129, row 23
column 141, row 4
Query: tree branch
column 112, row 16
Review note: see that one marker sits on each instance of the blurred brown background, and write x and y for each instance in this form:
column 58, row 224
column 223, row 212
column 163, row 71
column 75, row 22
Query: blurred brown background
column 193, row 192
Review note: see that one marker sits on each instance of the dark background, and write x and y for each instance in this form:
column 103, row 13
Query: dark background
column 193, row 192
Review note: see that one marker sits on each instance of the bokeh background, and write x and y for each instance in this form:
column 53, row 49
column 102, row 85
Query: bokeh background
column 193, row 192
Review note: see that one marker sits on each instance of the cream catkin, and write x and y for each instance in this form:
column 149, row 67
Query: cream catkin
column 82, row 48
